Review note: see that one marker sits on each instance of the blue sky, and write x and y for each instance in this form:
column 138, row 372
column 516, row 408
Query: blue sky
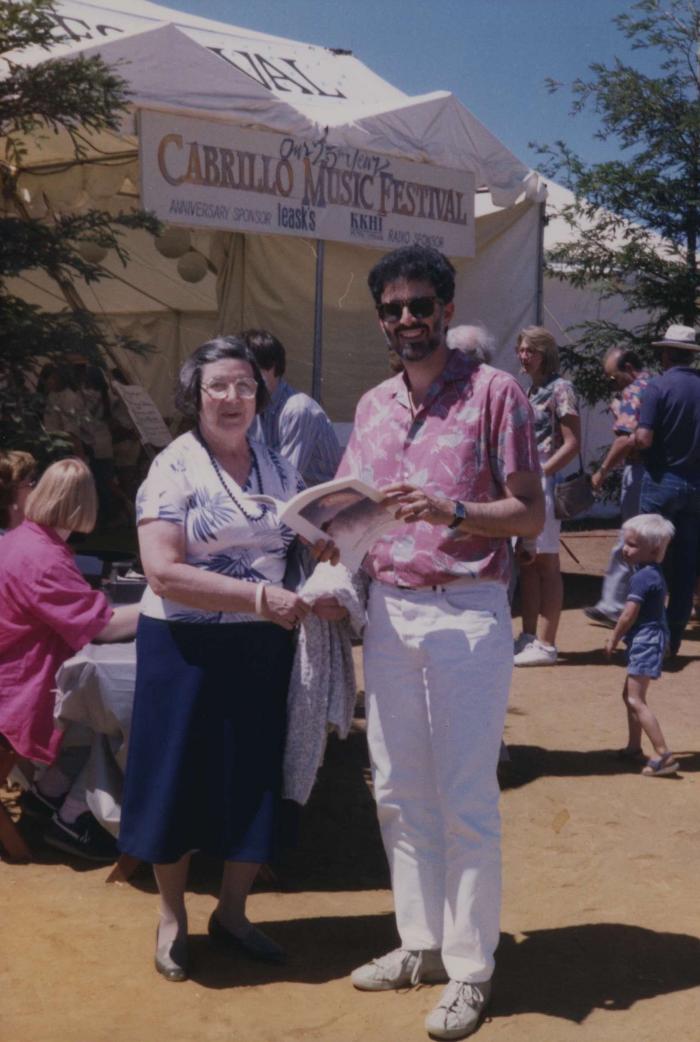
column 493, row 54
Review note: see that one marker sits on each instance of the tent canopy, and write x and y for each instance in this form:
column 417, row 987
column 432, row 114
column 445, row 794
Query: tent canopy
column 177, row 63
column 189, row 66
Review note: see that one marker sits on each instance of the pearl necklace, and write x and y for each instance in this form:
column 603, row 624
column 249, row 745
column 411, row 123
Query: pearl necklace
column 256, row 470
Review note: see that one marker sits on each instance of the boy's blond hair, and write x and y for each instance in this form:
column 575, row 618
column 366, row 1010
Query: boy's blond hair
column 653, row 531
column 65, row 497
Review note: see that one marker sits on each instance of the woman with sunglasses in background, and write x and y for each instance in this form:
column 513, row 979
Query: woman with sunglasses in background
column 558, row 435
column 214, row 655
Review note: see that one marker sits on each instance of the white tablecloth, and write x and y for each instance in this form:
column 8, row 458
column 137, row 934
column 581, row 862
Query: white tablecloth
column 95, row 689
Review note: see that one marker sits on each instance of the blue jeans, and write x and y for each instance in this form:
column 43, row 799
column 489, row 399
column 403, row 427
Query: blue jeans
column 617, row 577
column 677, row 499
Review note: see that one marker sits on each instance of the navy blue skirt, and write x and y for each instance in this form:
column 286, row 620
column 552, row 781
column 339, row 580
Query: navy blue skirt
column 204, row 770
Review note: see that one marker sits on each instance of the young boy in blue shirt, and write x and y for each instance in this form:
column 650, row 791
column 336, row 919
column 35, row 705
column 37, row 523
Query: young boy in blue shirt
column 642, row 622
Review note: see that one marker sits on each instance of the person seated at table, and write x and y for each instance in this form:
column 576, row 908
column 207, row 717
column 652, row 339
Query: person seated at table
column 214, row 654
column 47, row 613
column 17, row 479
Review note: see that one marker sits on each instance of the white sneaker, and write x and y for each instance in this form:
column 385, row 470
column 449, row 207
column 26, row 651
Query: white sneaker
column 522, row 642
column 459, row 1010
column 400, row 968
column 536, row 654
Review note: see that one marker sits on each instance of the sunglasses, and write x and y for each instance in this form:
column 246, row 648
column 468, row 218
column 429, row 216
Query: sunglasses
column 219, row 389
column 419, row 307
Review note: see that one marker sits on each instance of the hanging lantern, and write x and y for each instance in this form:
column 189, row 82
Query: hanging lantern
column 92, row 252
column 173, row 243
column 65, row 187
column 192, row 266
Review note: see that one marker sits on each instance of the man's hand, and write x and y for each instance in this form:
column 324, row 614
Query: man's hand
column 408, row 503
column 525, row 553
column 597, row 480
column 609, row 646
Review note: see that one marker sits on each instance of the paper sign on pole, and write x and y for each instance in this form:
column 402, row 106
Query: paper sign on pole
column 144, row 414
column 217, row 175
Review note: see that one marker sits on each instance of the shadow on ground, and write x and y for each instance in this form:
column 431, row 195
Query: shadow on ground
column 570, row 971
column 530, row 762
column 319, row 949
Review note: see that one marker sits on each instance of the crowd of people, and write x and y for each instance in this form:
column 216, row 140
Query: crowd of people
column 467, row 462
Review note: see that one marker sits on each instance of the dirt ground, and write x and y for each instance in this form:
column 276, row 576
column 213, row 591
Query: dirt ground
column 600, row 925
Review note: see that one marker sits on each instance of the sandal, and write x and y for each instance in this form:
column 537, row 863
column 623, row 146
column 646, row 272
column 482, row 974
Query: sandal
column 660, row 766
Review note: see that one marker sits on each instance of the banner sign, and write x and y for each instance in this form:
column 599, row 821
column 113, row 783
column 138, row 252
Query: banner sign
column 210, row 174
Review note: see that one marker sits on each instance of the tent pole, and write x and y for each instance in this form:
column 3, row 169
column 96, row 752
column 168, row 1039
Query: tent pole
column 541, row 225
column 318, row 322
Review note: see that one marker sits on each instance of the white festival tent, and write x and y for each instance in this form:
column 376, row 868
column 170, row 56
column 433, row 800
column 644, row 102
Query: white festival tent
column 190, row 77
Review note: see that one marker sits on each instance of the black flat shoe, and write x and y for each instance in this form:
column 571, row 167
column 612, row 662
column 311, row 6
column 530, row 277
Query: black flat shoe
column 251, row 942
column 172, row 964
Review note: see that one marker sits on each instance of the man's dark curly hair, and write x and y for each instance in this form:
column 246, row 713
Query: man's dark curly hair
column 418, row 263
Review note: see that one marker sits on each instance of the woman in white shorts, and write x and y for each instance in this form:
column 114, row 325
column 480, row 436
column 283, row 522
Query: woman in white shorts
column 558, row 434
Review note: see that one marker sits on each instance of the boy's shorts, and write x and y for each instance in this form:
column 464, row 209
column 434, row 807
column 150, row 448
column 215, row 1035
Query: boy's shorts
column 645, row 654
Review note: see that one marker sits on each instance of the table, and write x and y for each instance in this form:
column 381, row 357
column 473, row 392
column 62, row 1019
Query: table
column 95, row 691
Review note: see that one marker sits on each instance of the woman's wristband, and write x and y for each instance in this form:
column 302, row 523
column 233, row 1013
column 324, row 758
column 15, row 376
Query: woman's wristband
column 259, row 598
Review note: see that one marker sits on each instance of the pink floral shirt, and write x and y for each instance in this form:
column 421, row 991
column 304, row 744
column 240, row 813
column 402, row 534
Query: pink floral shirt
column 47, row 613
column 473, row 430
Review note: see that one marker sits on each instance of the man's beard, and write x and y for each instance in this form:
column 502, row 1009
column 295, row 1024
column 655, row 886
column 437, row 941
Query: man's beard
column 416, row 350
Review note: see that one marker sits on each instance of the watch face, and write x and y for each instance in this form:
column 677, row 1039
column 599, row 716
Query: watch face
column 459, row 515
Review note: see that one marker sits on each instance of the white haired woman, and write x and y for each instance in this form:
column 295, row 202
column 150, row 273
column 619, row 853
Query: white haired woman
column 214, row 655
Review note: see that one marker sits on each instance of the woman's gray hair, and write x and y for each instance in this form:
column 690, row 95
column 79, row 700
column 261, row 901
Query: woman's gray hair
column 475, row 341
column 189, row 381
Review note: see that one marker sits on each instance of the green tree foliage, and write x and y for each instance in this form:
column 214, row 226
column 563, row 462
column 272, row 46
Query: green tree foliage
column 636, row 217
column 77, row 97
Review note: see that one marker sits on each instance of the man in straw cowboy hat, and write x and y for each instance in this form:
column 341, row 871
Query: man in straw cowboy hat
column 669, row 434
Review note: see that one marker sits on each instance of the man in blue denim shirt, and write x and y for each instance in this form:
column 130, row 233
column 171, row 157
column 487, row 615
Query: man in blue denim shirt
column 669, row 435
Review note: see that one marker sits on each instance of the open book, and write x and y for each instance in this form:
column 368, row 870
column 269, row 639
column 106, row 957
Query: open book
column 346, row 510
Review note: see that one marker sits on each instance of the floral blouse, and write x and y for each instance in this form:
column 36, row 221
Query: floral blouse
column 226, row 530
column 556, row 397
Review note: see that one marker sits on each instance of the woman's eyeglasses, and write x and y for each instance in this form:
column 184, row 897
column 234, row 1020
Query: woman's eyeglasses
column 219, row 389
column 420, row 307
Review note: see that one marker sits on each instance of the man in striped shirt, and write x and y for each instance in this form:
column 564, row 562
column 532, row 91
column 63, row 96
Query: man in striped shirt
column 293, row 424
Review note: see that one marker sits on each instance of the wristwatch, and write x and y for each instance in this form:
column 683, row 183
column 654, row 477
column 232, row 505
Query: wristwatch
column 459, row 515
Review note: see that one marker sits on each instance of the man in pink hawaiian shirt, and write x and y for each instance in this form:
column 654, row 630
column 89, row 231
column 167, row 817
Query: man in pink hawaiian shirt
column 451, row 442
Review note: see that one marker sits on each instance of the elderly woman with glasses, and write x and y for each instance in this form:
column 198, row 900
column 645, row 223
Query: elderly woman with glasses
column 558, row 436
column 214, row 654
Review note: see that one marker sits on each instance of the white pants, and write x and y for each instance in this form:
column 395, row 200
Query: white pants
column 438, row 666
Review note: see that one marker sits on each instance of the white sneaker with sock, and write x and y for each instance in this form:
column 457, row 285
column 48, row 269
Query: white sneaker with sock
column 522, row 642
column 536, row 654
